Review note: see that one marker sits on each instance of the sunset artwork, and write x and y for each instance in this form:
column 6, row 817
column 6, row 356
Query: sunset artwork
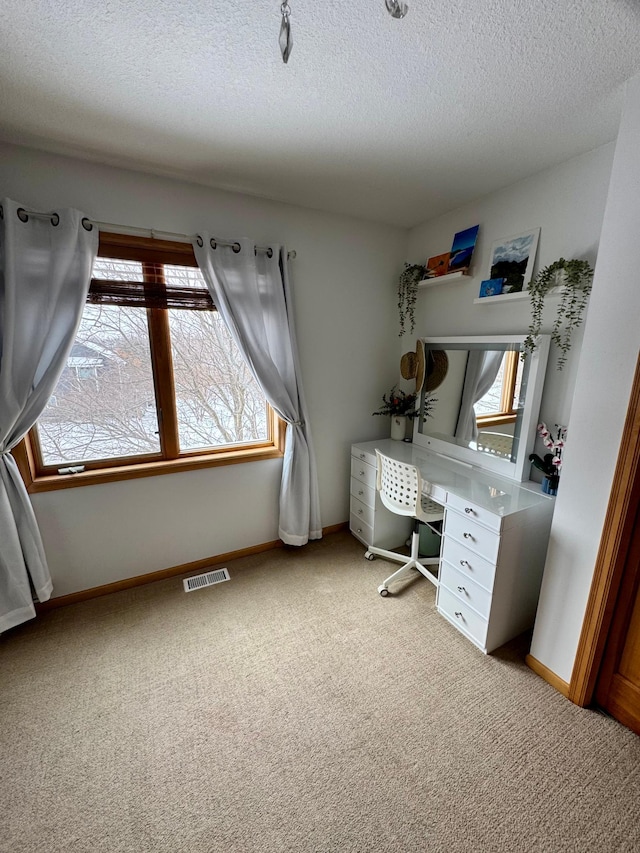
column 438, row 265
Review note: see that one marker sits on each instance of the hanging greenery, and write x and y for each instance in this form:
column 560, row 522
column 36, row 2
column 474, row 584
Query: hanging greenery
column 407, row 294
column 574, row 279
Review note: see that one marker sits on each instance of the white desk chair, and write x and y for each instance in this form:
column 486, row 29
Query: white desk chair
column 400, row 488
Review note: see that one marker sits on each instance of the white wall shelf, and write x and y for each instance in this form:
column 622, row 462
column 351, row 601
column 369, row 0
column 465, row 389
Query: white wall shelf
column 442, row 279
column 513, row 297
column 502, row 297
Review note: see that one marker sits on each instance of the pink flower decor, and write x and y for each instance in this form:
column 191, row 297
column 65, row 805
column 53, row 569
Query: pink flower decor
column 554, row 441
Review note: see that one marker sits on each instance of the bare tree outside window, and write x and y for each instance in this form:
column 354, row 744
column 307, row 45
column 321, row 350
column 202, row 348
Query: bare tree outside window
column 217, row 398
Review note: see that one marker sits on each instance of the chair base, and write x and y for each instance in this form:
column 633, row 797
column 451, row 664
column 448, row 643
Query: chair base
column 414, row 563
column 372, row 552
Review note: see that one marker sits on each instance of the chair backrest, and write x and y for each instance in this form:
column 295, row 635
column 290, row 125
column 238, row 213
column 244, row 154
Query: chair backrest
column 400, row 486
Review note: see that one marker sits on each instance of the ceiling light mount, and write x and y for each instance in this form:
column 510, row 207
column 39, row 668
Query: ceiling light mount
column 396, row 8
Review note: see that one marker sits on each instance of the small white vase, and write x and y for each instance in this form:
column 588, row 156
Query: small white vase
column 398, row 427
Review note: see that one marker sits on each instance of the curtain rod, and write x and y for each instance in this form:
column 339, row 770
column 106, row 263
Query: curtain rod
column 23, row 215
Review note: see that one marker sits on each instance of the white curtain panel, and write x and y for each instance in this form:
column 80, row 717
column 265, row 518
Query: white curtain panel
column 253, row 296
column 45, row 271
column 482, row 369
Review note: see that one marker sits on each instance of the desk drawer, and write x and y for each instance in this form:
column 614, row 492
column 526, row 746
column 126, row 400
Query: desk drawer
column 362, row 493
column 469, row 564
column 365, row 456
column 362, row 511
column 464, row 588
column 476, row 538
column 363, row 472
column 474, row 512
column 360, row 530
column 462, row 616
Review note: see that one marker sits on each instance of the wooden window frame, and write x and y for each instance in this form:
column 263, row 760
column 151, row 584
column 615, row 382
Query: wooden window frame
column 506, row 415
column 39, row 477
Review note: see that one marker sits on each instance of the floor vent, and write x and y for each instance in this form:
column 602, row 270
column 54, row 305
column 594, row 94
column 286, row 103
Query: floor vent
column 207, row 579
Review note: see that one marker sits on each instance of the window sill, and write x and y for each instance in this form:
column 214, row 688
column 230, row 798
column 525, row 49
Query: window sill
column 51, row 482
column 495, row 420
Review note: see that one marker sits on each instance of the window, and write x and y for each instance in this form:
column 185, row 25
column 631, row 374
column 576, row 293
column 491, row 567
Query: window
column 153, row 382
column 499, row 405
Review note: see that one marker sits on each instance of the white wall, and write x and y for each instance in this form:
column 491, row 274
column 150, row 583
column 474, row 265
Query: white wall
column 568, row 202
column 344, row 300
column 603, row 386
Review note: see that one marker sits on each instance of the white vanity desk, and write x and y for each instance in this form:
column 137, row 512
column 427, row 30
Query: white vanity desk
column 494, row 541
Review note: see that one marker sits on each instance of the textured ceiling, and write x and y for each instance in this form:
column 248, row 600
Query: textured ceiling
column 392, row 120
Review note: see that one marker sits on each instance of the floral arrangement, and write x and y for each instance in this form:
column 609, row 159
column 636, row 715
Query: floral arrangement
column 551, row 463
column 401, row 403
column 398, row 403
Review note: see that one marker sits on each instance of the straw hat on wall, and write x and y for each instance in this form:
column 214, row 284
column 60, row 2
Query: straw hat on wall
column 428, row 370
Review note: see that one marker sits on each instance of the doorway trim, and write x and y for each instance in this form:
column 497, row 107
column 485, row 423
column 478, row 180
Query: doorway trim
column 612, row 553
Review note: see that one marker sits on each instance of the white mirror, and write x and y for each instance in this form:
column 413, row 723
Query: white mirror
column 482, row 401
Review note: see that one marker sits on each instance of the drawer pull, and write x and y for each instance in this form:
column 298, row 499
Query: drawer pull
column 362, row 473
column 360, row 512
column 458, row 615
column 465, row 563
column 468, row 510
column 461, row 589
column 358, row 530
column 362, row 456
column 361, row 492
column 468, row 536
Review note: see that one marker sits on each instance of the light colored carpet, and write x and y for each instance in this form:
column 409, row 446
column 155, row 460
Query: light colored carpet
column 294, row 709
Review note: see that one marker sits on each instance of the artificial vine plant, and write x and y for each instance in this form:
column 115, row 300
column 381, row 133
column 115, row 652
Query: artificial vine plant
column 574, row 279
column 407, row 294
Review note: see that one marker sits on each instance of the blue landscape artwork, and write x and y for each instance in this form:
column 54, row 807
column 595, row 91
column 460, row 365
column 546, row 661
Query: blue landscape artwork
column 462, row 249
column 491, row 287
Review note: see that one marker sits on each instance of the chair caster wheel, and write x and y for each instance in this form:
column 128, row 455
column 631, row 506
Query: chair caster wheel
column 384, row 592
column 369, row 556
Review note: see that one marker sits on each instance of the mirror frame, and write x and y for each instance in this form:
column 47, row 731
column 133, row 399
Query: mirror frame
column 537, row 362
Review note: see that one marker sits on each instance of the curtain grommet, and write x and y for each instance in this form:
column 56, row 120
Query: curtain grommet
column 199, row 241
column 213, row 243
column 55, row 220
column 87, row 224
column 22, row 214
column 237, row 248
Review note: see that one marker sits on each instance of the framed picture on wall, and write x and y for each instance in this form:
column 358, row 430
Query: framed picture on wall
column 461, row 253
column 512, row 259
column 491, row 287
